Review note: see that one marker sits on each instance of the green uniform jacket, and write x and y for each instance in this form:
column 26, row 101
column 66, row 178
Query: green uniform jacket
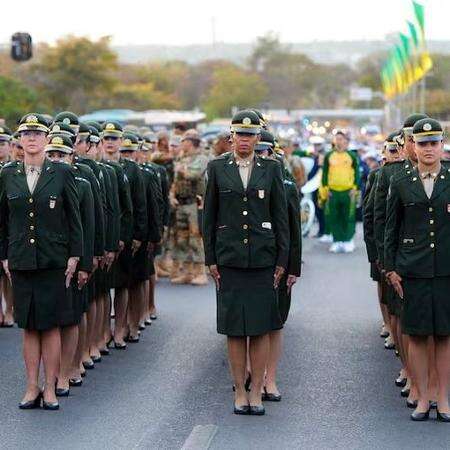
column 295, row 234
column 245, row 228
column 368, row 215
column 42, row 230
column 98, row 193
column 164, row 185
column 125, row 204
column 88, row 223
column 138, row 200
column 379, row 219
column 84, row 171
column 154, row 225
column 111, row 208
column 417, row 238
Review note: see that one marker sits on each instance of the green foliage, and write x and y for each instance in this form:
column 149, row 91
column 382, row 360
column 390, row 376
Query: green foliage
column 15, row 100
column 233, row 87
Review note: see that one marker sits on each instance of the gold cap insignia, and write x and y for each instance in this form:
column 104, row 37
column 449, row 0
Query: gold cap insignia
column 110, row 126
column 66, row 121
column 32, row 119
column 56, row 128
column 247, row 121
column 2, row 130
column 127, row 142
column 57, row 140
column 427, row 127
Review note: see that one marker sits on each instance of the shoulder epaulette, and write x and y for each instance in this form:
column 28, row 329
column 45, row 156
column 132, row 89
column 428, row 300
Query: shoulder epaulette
column 11, row 164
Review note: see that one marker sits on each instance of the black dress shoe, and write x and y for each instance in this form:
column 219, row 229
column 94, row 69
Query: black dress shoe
column 88, row 365
column 443, row 417
column 104, row 351
column 420, row 416
column 257, row 410
column 141, row 327
column 62, row 392
column 411, row 404
column 32, row 404
column 243, row 410
column 96, row 359
column 270, row 397
column 49, row 406
column 148, row 322
column 405, row 392
column 401, row 382
column 390, row 346
column 75, row 382
column 118, row 346
column 153, row 316
column 133, row 339
column 384, row 334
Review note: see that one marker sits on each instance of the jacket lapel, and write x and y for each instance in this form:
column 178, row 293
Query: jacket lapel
column 232, row 171
column 257, row 172
column 20, row 178
column 441, row 183
column 417, row 187
column 45, row 177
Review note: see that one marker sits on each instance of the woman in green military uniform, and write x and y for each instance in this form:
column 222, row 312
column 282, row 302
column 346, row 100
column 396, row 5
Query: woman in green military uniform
column 40, row 245
column 246, row 240
column 417, row 261
column 265, row 148
column 72, row 342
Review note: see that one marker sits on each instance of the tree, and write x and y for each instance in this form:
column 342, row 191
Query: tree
column 233, row 87
column 76, row 73
column 16, row 99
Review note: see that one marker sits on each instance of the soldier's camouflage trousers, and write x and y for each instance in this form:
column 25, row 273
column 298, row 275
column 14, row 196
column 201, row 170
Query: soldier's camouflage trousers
column 188, row 245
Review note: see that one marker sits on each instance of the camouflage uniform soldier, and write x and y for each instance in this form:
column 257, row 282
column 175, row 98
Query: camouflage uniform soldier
column 186, row 196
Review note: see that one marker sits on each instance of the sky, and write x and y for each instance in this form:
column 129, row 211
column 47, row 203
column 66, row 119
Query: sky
column 181, row 22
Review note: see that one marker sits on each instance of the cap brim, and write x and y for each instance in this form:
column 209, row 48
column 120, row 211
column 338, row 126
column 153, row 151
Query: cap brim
column 35, row 127
column 260, row 147
column 428, row 138
column 56, row 148
column 112, row 133
column 244, row 130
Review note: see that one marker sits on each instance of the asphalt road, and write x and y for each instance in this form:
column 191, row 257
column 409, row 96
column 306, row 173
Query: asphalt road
column 174, row 389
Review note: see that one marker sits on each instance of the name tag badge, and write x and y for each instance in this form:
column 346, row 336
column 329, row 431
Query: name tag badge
column 261, row 193
column 52, row 203
column 267, row 225
column 408, row 241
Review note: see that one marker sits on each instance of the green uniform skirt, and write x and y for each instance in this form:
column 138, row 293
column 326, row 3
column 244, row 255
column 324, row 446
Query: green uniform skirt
column 384, row 291
column 247, row 303
column 284, row 299
column 140, row 270
column 426, row 307
column 394, row 302
column 41, row 300
column 375, row 272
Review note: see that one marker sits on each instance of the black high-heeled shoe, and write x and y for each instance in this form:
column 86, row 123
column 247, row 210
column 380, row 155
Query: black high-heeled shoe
column 405, row 392
column 32, row 404
column 257, row 410
column 420, row 416
column 50, row 406
column 148, row 322
column 270, row 397
column 142, row 327
column 401, row 382
column 153, row 316
column 442, row 417
column 88, row 365
column 411, row 404
column 118, row 346
column 96, row 359
column 243, row 410
column 104, row 351
column 133, row 339
column 62, row 392
column 75, row 382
